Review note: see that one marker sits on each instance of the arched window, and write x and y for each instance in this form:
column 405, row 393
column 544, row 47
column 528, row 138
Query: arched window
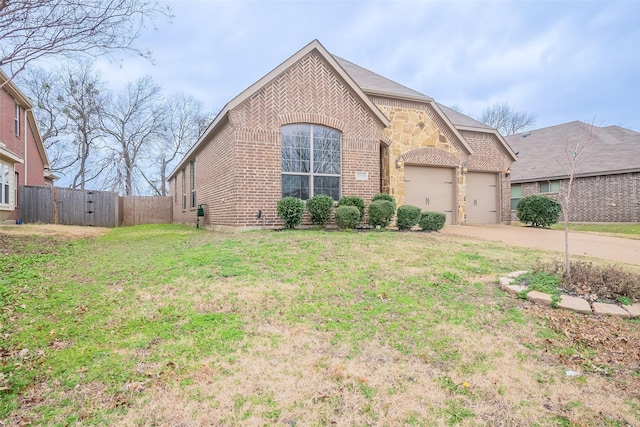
column 311, row 161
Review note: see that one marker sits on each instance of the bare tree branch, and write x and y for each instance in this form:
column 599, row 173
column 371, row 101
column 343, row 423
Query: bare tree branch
column 507, row 120
column 573, row 149
column 133, row 122
column 32, row 29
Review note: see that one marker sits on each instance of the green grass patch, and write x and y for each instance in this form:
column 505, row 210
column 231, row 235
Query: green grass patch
column 621, row 229
column 155, row 304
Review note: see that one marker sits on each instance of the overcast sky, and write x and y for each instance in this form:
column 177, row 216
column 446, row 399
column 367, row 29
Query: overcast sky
column 561, row 60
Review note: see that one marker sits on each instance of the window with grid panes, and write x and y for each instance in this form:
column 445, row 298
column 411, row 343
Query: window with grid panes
column 311, row 161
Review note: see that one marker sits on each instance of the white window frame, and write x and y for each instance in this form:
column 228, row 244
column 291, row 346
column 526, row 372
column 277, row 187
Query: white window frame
column 17, row 120
column 513, row 186
column 550, row 185
column 184, row 189
column 5, row 184
column 192, row 167
column 311, row 174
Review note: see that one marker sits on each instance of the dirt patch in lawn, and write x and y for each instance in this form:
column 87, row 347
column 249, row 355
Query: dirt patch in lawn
column 50, row 230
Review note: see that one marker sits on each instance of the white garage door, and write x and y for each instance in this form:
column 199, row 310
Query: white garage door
column 482, row 198
column 431, row 189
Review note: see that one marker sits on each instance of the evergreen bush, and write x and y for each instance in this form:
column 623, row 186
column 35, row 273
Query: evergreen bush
column 539, row 211
column 347, row 217
column 381, row 212
column 407, row 216
column 384, row 196
column 320, row 208
column 290, row 210
column 353, row 201
column 432, row 221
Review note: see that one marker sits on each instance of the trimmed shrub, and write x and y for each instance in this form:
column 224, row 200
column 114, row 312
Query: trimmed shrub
column 539, row 211
column 353, row 201
column 381, row 212
column 347, row 217
column 384, row 196
column 432, row 221
column 407, row 216
column 290, row 210
column 320, row 208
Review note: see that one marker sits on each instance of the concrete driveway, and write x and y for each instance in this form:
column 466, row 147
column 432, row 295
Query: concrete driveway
column 591, row 245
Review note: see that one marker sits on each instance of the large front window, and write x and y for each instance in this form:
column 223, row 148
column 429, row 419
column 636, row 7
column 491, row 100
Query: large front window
column 310, row 161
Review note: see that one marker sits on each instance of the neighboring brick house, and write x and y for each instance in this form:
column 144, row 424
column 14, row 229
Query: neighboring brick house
column 607, row 185
column 320, row 124
column 23, row 160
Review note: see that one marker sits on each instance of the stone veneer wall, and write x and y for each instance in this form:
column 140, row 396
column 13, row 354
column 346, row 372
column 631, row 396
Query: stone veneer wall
column 417, row 140
column 605, row 198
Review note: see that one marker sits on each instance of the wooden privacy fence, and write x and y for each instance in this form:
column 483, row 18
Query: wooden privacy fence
column 54, row 205
column 145, row 210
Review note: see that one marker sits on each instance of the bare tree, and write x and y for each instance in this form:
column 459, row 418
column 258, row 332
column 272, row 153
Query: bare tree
column 69, row 102
column 184, row 122
column 33, row 29
column 45, row 89
column 83, row 106
column 573, row 148
column 134, row 121
column 507, row 120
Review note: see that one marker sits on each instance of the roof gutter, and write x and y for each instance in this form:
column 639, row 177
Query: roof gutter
column 578, row 175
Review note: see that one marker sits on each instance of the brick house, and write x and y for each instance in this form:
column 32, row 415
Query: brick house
column 320, row 124
column 607, row 185
column 23, row 160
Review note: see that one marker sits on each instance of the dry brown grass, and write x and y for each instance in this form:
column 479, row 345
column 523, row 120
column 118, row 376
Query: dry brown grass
column 508, row 368
column 52, row 230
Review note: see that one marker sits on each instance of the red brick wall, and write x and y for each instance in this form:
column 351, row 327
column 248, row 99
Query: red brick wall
column 239, row 171
column 16, row 144
column 606, row 198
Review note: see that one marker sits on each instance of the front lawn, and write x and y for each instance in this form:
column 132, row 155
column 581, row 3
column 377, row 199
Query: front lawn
column 169, row 325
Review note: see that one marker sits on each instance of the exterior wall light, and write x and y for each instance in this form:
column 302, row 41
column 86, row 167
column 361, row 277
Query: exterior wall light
column 398, row 162
column 507, row 173
column 463, row 169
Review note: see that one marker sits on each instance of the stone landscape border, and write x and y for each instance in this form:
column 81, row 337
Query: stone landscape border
column 568, row 302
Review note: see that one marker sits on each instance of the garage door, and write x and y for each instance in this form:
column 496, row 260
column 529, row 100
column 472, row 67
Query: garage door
column 482, row 198
column 431, row 189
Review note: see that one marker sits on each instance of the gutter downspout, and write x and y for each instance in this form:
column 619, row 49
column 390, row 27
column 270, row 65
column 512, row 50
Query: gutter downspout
column 26, row 160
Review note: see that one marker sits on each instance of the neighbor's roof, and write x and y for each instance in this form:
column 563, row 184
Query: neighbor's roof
column 542, row 153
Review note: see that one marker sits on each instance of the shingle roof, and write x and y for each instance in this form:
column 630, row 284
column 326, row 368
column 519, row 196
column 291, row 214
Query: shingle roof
column 373, row 83
column 459, row 119
column 541, row 153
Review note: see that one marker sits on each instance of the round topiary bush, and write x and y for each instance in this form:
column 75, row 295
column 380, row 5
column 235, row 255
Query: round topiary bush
column 384, row 196
column 320, row 208
column 353, row 201
column 381, row 212
column 432, row 221
column 347, row 217
column 290, row 210
column 539, row 211
column 407, row 216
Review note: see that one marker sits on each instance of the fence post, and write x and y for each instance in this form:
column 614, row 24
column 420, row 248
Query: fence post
column 55, row 205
